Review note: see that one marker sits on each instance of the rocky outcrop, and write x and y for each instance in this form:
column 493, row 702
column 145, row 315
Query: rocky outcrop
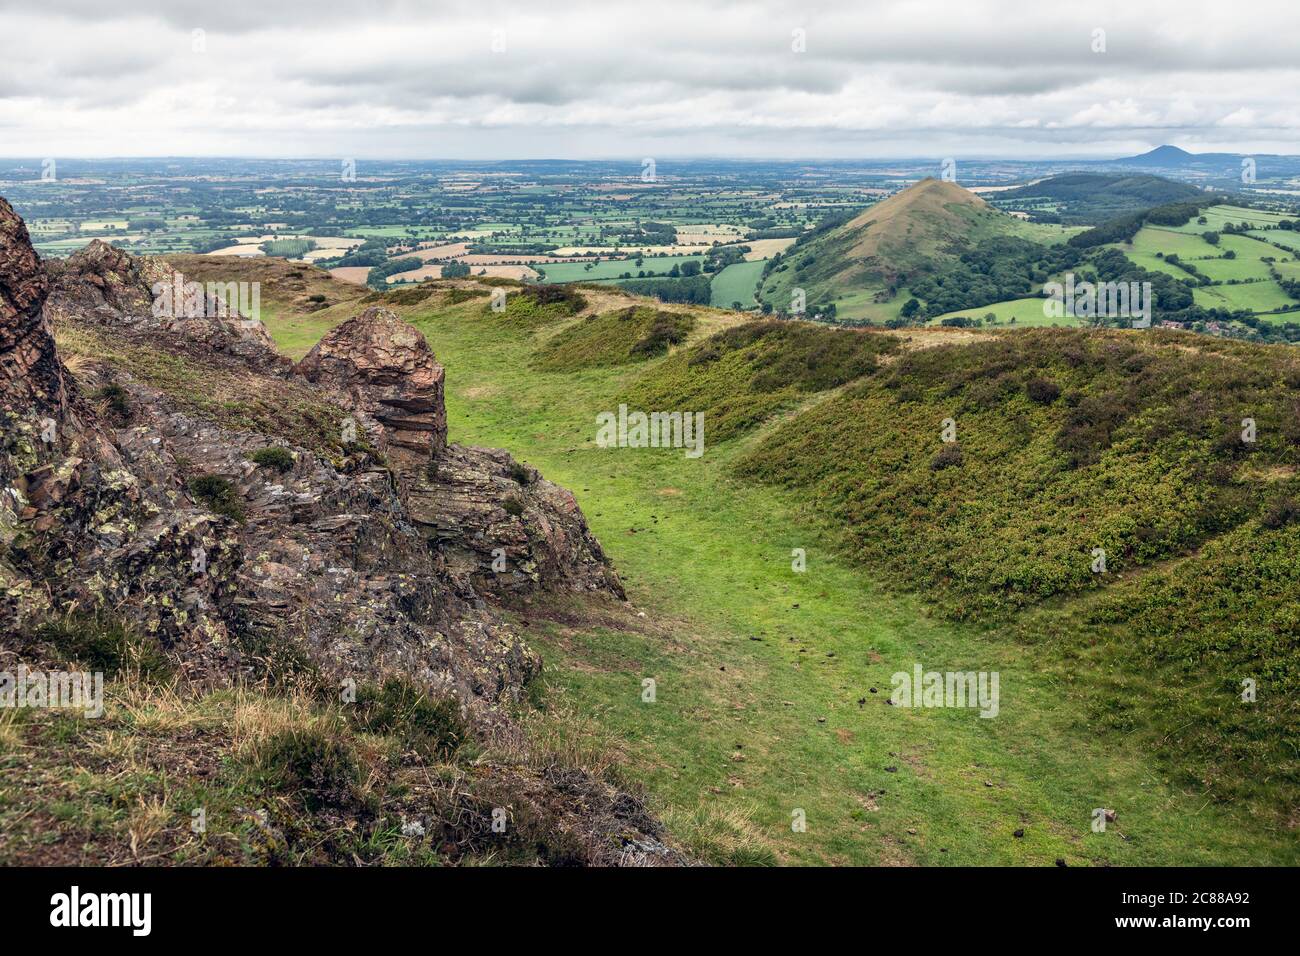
column 152, row 500
column 507, row 531
column 31, row 378
column 389, row 374
column 502, row 529
column 145, row 297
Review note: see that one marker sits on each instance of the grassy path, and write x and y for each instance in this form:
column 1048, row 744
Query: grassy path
column 764, row 677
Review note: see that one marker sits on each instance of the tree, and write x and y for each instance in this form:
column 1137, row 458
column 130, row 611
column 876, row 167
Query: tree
column 910, row 308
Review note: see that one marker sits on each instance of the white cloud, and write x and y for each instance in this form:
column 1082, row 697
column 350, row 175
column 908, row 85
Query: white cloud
column 400, row 78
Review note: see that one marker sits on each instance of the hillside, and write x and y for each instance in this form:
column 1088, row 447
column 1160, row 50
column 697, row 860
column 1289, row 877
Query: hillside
column 860, row 266
column 1120, row 689
column 1091, row 198
column 977, row 554
column 1172, row 157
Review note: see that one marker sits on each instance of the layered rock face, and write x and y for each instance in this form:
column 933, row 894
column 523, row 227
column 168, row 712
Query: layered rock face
column 30, row 373
column 507, row 531
column 389, row 374
column 146, row 298
column 502, row 528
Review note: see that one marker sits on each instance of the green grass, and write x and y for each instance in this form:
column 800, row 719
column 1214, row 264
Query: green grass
column 736, row 283
column 1028, row 313
column 743, row 375
column 759, row 669
column 613, row 338
column 1254, row 296
column 1217, row 216
column 613, row 268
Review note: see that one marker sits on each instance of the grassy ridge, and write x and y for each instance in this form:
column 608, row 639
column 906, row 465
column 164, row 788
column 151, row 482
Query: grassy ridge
column 1125, row 448
column 749, row 657
column 743, row 375
column 612, row 338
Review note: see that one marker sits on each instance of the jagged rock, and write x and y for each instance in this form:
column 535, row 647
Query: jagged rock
column 503, row 529
column 147, row 297
column 506, row 530
column 390, row 374
column 31, row 378
column 357, row 561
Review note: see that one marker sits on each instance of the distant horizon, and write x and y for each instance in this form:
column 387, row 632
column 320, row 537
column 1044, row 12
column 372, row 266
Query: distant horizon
column 678, row 157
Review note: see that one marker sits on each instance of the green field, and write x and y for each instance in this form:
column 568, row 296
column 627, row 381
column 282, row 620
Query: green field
column 1027, row 313
column 613, row 268
column 1254, row 296
column 1217, row 216
column 736, row 283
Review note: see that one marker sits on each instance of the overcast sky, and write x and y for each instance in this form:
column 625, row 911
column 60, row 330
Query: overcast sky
column 405, row 79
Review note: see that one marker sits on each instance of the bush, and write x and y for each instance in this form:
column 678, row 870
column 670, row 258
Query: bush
column 949, row 456
column 1042, row 391
column 102, row 644
column 117, row 400
column 1280, row 513
column 521, row 473
column 276, row 459
column 668, row 329
column 399, row 708
column 513, row 506
column 312, row 765
column 219, row 495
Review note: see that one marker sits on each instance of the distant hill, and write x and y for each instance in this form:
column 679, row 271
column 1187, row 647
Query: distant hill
column 1171, row 157
column 865, row 260
column 1090, row 198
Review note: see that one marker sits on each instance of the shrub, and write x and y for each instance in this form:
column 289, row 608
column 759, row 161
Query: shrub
column 117, row 400
column 949, row 456
column 1042, row 391
column 276, row 459
column 1281, row 513
column 668, row 329
column 513, row 506
column 401, row 709
column 102, row 643
column 309, row 763
column 521, row 473
column 219, row 495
